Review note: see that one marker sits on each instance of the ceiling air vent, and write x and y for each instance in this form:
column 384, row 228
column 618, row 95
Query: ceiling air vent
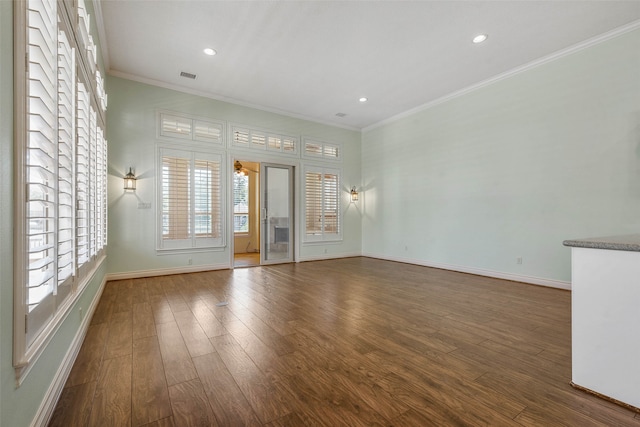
column 341, row 114
column 187, row 75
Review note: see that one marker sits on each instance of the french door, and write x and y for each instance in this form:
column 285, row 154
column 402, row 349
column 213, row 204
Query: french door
column 276, row 213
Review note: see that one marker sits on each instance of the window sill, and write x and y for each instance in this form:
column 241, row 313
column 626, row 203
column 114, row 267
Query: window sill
column 177, row 251
column 336, row 241
column 23, row 368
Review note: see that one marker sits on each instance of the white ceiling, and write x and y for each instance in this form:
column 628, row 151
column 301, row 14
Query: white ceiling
column 314, row 59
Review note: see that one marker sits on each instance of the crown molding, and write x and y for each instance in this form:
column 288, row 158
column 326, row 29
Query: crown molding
column 229, row 100
column 514, row 71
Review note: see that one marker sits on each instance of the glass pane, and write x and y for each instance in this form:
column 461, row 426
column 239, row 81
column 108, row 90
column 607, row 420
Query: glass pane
column 278, row 204
column 241, row 223
column 240, row 203
column 313, row 203
column 206, row 131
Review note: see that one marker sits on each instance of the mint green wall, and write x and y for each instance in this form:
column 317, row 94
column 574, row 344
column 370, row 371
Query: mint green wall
column 18, row 406
column 511, row 169
column 6, row 192
column 132, row 131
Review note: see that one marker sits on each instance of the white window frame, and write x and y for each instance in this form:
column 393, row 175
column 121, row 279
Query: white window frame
column 192, row 243
column 256, row 139
column 190, row 124
column 322, row 236
column 37, row 320
column 326, row 150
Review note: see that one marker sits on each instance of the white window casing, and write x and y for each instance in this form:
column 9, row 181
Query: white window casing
column 251, row 138
column 182, row 126
column 316, row 149
column 60, row 172
column 190, row 197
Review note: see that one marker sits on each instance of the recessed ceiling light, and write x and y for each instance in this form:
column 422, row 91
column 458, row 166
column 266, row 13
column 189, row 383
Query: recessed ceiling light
column 363, row 99
column 209, row 51
column 480, row 38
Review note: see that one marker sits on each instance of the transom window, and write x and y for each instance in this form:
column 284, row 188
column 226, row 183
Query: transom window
column 321, row 150
column 257, row 139
column 181, row 126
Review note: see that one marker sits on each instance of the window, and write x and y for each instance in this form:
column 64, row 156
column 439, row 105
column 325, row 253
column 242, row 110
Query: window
column 240, row 203
column 322, row 204
column 191, row 198
column 256, row 139
column 174, row 125
column 61, row 175
column 320, row 149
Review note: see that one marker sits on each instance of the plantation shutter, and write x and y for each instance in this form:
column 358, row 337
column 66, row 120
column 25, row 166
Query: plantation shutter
column 92, row 181
column 330, row 213
column 322, row 205
column 191, row 199
column 66, row 136
column 289, row 144
column 41, row 165
column 319, row 149
column 207, row 199
column 82, row 177
column 241, row 137
column 207, row 131
column 275, row 143
column 175, row 198
column 258, row 139
column 54, row 126
column 175, row 126
column 313, row 203
column 101, row 186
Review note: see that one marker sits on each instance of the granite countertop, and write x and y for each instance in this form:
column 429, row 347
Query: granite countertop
column 630, row 242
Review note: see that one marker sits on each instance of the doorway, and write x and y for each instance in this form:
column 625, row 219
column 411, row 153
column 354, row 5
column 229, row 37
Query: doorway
column 262, row 213
column 246, row 214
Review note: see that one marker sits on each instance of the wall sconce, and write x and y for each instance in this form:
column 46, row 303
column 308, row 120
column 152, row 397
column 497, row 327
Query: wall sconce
column 130, row 181
column 354, row 194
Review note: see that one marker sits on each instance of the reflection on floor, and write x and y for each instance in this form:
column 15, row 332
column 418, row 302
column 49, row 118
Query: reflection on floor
column 251, row 259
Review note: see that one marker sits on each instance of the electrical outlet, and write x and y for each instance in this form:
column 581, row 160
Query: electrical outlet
column 519, row 260
column 190, row 261
column 144, row 205
column 325, row 251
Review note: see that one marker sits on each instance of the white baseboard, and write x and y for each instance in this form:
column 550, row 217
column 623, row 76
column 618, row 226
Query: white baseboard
column 166, row 271
column 559, row 284
column 471, row 270
column 328, row 256
column 48, row 404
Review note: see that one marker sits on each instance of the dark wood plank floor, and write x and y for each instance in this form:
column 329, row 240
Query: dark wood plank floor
column 347, row 342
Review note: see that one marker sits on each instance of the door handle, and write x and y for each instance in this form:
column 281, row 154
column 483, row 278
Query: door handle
column 263, row 214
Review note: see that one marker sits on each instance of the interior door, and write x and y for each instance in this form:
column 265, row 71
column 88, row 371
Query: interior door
column 276, row 213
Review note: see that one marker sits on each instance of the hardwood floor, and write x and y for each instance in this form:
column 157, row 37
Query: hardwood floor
column 348, row 342
column 249, row 259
